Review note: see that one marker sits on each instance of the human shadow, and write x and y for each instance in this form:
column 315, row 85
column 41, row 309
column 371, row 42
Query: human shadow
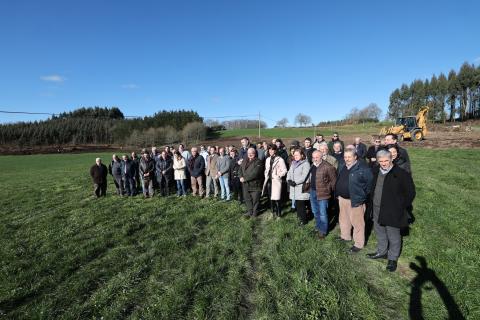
column 426, row 275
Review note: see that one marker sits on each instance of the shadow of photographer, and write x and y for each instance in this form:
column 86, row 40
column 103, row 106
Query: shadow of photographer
column 424, row 276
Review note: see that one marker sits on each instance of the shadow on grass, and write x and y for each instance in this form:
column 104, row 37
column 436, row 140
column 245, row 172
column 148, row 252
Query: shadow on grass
column 427, row 275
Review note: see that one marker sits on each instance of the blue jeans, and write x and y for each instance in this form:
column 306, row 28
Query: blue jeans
column 319, row 209
column 181, row 187
column 225, row 187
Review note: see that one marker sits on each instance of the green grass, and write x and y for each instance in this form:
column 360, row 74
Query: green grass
column 67, row 255
column 300, row 133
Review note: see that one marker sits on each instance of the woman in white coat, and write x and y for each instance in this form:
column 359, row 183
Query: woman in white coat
column 275, row 170
column 179, row 166
column 296, row 177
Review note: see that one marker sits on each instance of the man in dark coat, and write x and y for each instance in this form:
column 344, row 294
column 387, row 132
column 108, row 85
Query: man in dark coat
column 308, row 149
column 164, row 172
column 251, row 173
column 115, row 169
column 128, row 175
column 196, row 168
column 393, row 192
column 136, row 164
column 147, row 171
column 335, row 138
column 99, row 173
column 360, row 148
column 372, row 152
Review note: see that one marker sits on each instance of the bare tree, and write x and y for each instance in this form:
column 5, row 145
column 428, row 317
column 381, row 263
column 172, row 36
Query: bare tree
column 302, row 119
column 282, row 123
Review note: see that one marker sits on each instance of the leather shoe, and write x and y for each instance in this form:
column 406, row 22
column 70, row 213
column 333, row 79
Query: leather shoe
column 354, row 249
column 375, row 255
column 392, row 265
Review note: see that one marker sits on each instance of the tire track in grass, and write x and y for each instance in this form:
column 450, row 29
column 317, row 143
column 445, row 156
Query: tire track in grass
column 247, row 305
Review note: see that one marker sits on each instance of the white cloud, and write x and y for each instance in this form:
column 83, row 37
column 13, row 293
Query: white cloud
column 53, row 78
column 130, row 86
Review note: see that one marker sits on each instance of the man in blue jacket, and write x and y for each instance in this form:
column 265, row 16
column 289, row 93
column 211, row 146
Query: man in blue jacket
column 353, row 187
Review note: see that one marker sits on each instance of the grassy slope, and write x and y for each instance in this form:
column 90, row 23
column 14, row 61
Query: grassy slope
column 67, row 255
column 367, row 129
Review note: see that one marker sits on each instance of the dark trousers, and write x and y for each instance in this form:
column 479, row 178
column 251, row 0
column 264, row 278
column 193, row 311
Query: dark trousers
column 301, row 206
column 118, row 184
column 252, row 200
column 129, row 186
column 100, row 189
column 163, row 184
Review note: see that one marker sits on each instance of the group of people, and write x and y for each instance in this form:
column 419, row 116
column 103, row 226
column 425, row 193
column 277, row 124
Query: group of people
column 320, row 178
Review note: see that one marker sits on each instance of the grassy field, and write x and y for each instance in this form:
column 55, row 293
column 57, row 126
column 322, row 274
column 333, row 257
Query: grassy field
column 362, row 129
column 66, row 255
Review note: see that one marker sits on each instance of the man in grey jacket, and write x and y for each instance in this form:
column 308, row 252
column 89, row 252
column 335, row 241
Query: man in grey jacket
column 223, row 170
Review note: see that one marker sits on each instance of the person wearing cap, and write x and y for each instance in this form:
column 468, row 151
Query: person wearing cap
column 99, row 173
column 335, row 138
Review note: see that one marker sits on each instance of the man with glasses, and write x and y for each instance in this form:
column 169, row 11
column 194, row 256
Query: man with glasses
column 335, row 138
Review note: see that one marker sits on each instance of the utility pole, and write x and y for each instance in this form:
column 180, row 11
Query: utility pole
column 259, row 125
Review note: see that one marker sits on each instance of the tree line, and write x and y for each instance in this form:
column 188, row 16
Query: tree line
column 101, row 126
column 455, row 96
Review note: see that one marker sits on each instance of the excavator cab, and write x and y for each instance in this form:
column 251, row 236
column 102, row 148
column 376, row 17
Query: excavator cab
column 410, row 128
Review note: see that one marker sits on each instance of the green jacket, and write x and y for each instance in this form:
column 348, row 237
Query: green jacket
column 253, row 174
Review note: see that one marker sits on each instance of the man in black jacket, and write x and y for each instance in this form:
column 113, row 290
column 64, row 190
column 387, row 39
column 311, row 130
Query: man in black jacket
column 99, row 173
column 147, row 171
column 393, row 193
column 251, row 173
column 128, row 175
column 393, row 139
column 164, row 171
column 196, row 168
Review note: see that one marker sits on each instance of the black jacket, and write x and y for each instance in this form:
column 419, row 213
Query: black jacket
column 131, row 171
column 164, row 165
column 361, row 149
column 252, row 172
column 99, row 173
column 196, row 166
column 398, row 194
column 147, row 166
column 115, row 168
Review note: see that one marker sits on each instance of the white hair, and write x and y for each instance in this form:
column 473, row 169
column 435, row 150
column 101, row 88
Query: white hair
column 384, row 154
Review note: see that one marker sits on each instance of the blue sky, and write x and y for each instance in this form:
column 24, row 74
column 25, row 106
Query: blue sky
column 226, row 58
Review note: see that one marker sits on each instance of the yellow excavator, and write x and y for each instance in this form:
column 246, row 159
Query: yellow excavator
column 410, row 128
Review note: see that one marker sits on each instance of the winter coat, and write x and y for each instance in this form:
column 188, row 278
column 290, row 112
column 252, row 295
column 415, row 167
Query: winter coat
column 299, row 175
column 361, row 150
column 332, row 160
column 234, row 168
column 179, row 168
column 128, row 169
column 242, row 153
column 372, row 153
column 402, row 163
column 325, row 180
column 147, row 167
column 223, row 165
column 359, row 183
column 279, row 170
column 404, row 155
column 196, row 166
column 166, row 165
column 309, row 153
column 99, row 173
column 211, row 168
column 397, row 195
column 252, row 172
column 115, row 168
